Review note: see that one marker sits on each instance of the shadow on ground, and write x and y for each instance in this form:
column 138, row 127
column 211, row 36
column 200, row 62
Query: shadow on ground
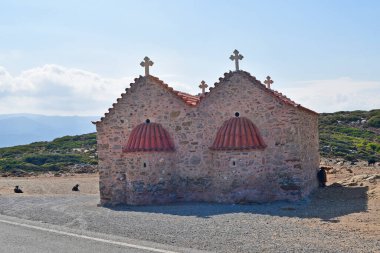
column 327, row 204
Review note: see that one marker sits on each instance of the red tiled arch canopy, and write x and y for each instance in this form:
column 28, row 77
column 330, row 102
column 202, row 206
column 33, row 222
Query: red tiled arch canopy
column 149, row 137
column 238, row 133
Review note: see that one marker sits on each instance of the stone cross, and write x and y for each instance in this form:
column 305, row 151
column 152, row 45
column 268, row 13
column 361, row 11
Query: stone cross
column 146, row 63
column 203, row 86
column 236, row 57
column 268, row 82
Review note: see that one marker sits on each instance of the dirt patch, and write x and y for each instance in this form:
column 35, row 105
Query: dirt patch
column 49, row 184
column 358, row 185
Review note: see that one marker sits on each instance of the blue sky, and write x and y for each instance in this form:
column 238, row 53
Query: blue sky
column 76, row 57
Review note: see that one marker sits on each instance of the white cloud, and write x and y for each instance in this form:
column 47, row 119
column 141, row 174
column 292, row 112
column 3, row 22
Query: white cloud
column 57, row 90
column 342, row 94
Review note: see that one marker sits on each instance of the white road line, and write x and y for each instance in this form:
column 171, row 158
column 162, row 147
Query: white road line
column 88, row 237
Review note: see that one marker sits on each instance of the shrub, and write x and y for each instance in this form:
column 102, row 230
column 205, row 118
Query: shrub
column 374, row 121
column 41, row 159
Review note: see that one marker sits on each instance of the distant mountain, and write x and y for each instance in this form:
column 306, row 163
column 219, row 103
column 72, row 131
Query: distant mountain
column 19, row 129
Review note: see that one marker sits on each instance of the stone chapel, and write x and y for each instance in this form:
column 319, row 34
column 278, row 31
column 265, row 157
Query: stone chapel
column 240, row 142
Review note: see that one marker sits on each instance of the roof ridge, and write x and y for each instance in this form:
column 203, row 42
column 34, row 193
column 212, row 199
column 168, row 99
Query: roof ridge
column 194, row 100
column 278, row 94
column 253, row 79
column 118, row 99
column 185, row 97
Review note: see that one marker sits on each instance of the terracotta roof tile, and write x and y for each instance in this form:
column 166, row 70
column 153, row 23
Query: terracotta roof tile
column 238, row 133
column 185, row 97
column 149, row 137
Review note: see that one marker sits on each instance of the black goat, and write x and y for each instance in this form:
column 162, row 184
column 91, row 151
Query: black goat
column 17, row 189
column 76, row 188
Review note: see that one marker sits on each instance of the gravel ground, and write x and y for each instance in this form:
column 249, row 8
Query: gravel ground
column 334, row 219
column 307, row 226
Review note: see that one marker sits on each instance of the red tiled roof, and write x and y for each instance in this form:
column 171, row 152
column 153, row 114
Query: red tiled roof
column 238, row 133
column 149, row 137
column 185, row 97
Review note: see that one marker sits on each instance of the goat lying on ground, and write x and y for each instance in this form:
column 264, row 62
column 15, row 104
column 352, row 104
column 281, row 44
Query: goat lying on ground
column 76, row 188
column 17, row 189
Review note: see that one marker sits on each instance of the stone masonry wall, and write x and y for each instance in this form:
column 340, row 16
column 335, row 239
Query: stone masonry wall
column 285, row 169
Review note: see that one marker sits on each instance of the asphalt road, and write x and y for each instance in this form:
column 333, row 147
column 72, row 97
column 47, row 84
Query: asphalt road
column 16, row 236
column 190, row 227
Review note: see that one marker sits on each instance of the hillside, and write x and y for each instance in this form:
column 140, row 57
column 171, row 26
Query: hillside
column 20, row 129
column 348, row 135
column 66, row 154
